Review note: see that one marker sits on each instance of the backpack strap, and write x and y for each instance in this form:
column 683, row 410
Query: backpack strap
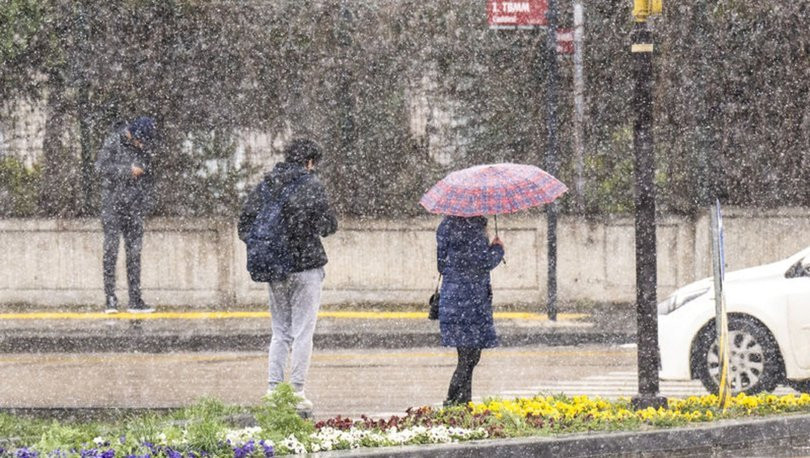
column 288, row 190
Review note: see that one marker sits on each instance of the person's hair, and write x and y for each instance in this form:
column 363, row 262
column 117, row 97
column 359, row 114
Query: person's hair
column 301, row 150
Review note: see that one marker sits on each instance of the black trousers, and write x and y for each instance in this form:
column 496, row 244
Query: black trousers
column 131, row 227
column 460, row 391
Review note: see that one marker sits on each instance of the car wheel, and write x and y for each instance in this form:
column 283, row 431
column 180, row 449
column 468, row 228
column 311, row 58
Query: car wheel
column 755, row 364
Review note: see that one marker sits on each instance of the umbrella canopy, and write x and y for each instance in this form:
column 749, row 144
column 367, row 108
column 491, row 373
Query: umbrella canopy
column 492, row 189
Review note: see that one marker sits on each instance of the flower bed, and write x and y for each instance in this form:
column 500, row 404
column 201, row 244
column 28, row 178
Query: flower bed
column 204, row 429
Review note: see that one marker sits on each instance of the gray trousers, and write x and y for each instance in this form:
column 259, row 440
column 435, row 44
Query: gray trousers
column 131, row 227
column 294, row 305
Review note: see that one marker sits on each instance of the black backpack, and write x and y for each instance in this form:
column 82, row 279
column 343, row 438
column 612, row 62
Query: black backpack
column 269, row 257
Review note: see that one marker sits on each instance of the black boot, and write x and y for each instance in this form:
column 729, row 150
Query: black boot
column 138, row 306
column 111, row 305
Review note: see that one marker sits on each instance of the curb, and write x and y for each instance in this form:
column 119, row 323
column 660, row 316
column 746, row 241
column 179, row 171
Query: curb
column 32, row 342
column 782, row 436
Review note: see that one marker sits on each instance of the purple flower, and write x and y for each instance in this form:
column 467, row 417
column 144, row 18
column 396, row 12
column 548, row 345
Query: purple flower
column 268, row 449
column 245, row 450
column 25, row 453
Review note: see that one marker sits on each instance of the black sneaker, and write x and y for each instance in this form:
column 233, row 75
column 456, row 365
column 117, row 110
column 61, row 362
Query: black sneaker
column 111, row 305
column 139, row 307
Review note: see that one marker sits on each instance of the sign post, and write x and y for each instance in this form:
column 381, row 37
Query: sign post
column 538, row 15
column 721, row 317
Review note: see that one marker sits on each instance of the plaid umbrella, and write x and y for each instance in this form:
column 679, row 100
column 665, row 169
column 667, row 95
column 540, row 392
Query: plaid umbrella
column 492, row 190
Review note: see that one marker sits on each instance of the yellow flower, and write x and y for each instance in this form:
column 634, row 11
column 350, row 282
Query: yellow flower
column 690, row 409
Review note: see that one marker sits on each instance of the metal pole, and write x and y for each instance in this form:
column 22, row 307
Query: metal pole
column 721, row 318
column 347, row 128
column 551, row 154
column 81, row 83
column 579, row 104
column 646, row 278
column 704, row 129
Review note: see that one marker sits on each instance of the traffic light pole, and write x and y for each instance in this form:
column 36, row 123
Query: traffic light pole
column 646, row 276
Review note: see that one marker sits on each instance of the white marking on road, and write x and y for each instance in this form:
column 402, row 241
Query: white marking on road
column 617, row 384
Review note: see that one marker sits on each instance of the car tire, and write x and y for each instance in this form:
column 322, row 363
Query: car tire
column 755, row 364
column 802, row 386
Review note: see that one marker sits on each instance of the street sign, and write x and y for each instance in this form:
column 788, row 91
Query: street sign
column 523, row 14
column 565, row 41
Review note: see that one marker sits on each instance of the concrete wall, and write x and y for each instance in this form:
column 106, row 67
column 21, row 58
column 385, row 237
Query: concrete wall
column 200, row 263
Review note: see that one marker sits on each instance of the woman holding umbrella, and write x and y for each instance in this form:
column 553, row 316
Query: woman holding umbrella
column 466, row 256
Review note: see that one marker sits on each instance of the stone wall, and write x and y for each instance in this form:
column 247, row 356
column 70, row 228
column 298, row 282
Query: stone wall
column 200, row 263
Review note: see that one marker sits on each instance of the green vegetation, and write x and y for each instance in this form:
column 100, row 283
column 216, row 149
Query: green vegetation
column 399, row 92
column 19, row 188
column 208, row 427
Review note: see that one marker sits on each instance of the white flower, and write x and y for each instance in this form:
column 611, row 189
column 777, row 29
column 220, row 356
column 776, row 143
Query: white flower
column 99, row 441
column 328, row 438
column 240, row 436
column 293, row 444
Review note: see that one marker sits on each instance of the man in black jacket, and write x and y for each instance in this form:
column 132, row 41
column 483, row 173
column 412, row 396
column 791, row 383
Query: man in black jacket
column 124, row 166
column 294, row 302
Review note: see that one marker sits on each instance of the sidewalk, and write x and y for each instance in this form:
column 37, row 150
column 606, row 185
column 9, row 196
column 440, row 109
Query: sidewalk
column 234, row 330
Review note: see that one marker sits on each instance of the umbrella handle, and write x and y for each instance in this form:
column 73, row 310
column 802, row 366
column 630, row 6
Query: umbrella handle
column 496, row 235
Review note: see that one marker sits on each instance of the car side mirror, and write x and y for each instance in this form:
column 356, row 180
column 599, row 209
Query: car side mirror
column 796, row 270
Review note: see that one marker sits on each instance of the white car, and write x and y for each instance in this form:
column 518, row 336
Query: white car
column 769, row 328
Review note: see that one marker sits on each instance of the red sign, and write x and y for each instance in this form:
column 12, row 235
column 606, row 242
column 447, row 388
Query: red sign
column 565, row 41
column 517, row 13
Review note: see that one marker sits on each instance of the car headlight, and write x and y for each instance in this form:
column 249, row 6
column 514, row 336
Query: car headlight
column 679, row 299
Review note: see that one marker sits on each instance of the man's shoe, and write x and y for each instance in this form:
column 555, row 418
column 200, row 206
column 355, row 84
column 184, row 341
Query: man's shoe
column 139, row 307
column 304, row 404
column 271, row 389
column 111, row 305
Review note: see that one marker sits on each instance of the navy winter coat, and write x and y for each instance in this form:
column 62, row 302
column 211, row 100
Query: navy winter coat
column 465, row 259
column 308, row 214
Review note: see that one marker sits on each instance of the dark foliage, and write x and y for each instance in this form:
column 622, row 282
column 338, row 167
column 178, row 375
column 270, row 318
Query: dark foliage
column 732, row 96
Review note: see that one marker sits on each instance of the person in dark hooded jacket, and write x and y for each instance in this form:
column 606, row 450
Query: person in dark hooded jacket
column 294, row 302
column 465, row 258
column 124, row 166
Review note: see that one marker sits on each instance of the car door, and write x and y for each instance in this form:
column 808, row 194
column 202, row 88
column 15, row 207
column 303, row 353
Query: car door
column 798, row 315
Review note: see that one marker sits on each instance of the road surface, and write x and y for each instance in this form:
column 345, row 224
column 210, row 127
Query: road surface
column 342, row 382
